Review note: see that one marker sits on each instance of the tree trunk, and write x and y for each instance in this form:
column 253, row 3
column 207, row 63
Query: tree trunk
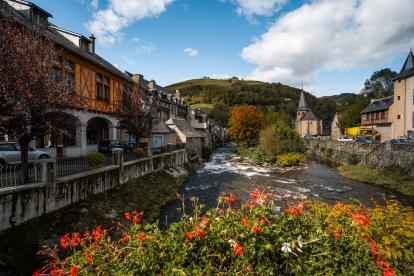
column 24, row 159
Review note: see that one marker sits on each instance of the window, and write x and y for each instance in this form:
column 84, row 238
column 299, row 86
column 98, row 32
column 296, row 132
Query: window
column 399, row 97
column 107, row 88
column 383, row 117
column 103, row 87
column 413, row 96
column 69, row 68
column 413, row 120
column 398, row 117
column 99, row 86
column 376, row 115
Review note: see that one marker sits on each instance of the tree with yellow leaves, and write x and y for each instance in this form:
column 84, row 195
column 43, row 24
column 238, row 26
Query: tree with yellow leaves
column 245, row 124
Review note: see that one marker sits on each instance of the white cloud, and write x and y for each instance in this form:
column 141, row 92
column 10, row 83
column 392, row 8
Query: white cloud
column 94, row 4
column 251, row 8
column 191, row 52
column 135, row 39
column 107, row 24
column 331, row 35
column 146, row 49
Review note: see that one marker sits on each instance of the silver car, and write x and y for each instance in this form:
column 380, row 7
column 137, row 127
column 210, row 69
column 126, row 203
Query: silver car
column 10, row 153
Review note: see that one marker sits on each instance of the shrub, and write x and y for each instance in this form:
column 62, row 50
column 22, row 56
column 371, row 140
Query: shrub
column 353, row 159
column 280, row 138
column 254, row 153
column 290, row 159
column 255, row 238
column 95, row 158
column 139, row 152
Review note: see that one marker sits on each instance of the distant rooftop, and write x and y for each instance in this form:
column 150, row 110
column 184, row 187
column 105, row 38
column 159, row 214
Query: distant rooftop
column 408, row 68
column 379, row 105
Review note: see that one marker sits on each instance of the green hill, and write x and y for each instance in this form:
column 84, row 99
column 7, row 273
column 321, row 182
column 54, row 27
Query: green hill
column 220, row 96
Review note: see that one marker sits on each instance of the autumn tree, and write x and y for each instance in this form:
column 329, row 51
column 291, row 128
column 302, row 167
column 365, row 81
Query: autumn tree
column 245, row 124
column 31, row 93
column 134, row 112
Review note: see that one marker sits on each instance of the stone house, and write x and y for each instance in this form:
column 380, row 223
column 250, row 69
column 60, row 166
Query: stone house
column 335, row 129
column 377, row 114
column 403, row 107
column 307, row 123
column 200, row 122
column 186, row 135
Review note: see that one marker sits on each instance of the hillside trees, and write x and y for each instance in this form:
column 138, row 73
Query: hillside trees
column 245, row 124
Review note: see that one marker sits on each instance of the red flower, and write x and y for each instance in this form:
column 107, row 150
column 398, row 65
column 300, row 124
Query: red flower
column 255, row 194
column 238, row 250
column 36, row 273
column 204, row 220
column 201, row 234
column 245, row 222
column 136, row 220
column 388, row 272
column 88, row 258
column 263, row 220
column 142, row 236
column 374, row 247
column 296, row 210
column 65, row 241
column 57, row 272
column 73, row 271
column 97, row 233
column 189, row 235
column 256, row 230
column 337, row 235
column 76, row 239
column 124, row 238
column 361, row 219
column 152, row 238
column 233, row 198
column 127, row 215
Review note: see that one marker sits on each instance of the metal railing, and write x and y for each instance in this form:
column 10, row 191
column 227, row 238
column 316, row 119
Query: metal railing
column 12, row 175
column 69, row 166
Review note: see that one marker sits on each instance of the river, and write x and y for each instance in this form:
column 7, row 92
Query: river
column 223, row 174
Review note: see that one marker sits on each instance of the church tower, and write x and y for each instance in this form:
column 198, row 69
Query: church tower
column 303, row 108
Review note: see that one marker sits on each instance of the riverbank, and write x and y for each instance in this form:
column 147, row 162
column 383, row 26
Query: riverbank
column 148, row 194
column 390, row 180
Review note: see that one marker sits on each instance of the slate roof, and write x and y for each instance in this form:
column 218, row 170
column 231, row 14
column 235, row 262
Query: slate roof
column 65, row 43
column 302, row 103
column 160, row 127
column 379, row 105
column 184, row 127
column 310, row 116
column 408, row 68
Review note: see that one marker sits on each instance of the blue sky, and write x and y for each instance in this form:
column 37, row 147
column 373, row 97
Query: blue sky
column 330, row 45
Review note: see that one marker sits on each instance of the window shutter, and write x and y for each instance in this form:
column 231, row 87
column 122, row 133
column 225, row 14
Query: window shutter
column 413, row 119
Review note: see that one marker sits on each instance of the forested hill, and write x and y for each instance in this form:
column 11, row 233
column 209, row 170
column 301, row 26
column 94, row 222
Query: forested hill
column 224, row 94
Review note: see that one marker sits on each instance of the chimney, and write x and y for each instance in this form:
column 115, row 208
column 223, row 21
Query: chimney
column 177, row 94
column 92, row 44
column 138, row 78
column 152, row 84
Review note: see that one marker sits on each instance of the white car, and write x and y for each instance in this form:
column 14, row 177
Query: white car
column 345, row 139
column 10, row 153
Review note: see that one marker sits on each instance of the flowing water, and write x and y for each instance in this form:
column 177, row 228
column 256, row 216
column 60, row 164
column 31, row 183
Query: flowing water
column 224, row 174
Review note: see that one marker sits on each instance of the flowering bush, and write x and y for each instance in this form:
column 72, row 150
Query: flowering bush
column 253, row 238
column 290, row 159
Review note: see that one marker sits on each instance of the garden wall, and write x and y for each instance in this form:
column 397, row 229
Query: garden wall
column 379, row 156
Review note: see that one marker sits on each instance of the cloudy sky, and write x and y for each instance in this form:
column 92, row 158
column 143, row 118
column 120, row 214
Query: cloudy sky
column 331, row 46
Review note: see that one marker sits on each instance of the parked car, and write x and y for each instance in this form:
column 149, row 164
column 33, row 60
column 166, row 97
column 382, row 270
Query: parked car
column 345, row 139
column 363, row 139
column 310, row 138
column 399, row 142
column 10, row 153
column 106, row 146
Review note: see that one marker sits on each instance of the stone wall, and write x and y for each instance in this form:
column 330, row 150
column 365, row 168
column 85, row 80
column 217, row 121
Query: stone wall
column 22, row 203
column 379, row 156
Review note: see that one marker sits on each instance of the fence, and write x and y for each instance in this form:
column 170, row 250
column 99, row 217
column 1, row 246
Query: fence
column 11, row 175
column 69, row 166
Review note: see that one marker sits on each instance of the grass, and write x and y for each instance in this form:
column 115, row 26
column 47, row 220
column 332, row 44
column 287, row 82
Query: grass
column 204, row 107
column 388, row 179
column 209, row 82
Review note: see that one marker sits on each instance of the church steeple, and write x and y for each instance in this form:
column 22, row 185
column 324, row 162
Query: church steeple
column 302, row 103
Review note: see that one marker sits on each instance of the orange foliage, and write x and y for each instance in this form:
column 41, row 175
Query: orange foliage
column 245, row 123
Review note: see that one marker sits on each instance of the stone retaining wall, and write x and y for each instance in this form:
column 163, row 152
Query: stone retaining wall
column 22, row 203
column 380, row 156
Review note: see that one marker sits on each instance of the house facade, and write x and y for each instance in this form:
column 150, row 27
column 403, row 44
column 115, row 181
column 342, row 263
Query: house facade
column 378, row 114
column 307, row 123
column 403, row 106
column 97, row 86
column 335, row 128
